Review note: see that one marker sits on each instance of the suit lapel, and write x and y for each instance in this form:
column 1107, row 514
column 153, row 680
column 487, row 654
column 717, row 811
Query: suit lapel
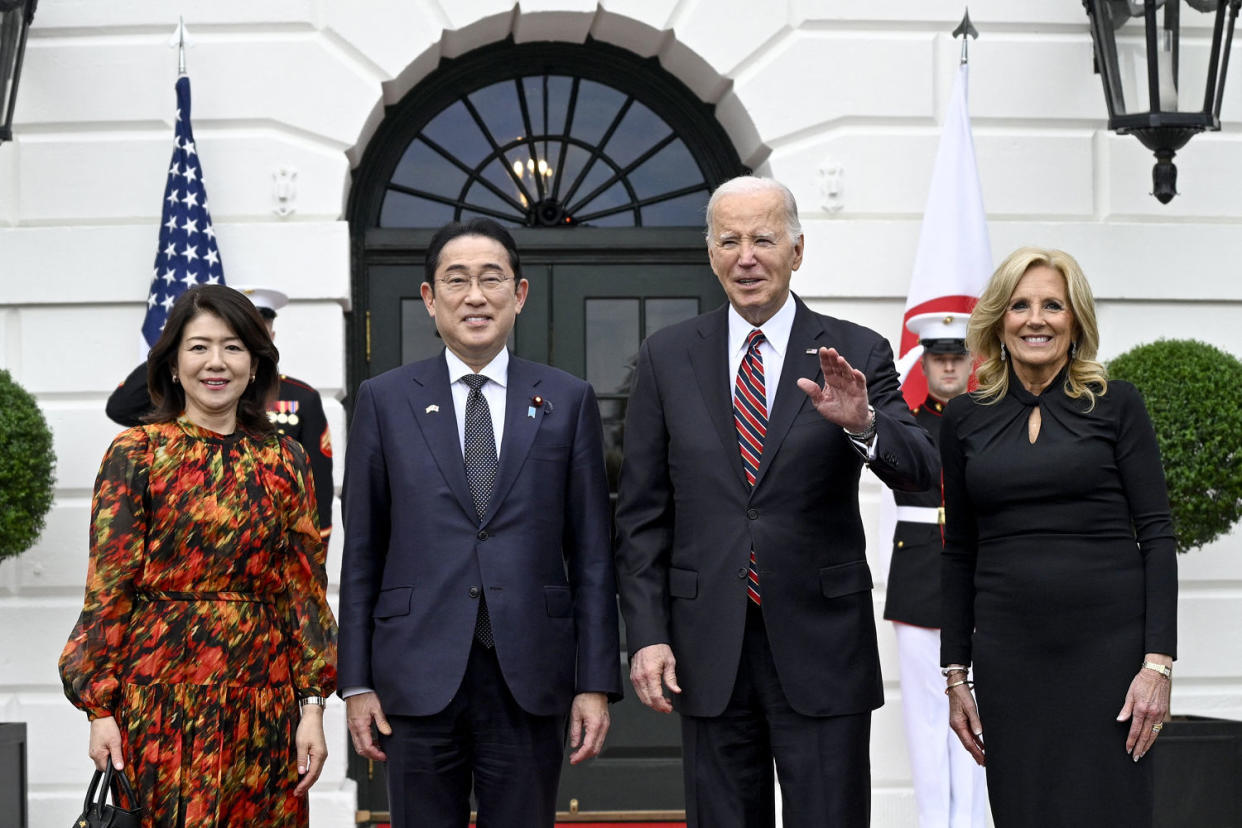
column 806, row 333
column 520, row 427
column 709, row 357
column 431, row 403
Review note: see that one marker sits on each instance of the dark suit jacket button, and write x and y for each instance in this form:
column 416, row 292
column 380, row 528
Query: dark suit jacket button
column 741, row 573
column 482, row 534
column 753, row 514
column 474, row 592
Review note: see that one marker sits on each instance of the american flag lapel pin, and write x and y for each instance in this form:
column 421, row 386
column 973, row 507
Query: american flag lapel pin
column 432, row 409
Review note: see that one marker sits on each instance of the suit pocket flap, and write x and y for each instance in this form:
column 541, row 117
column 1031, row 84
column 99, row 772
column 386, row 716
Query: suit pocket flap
column 559, row 601
column 393, row 602
column 683, row 583
column 845, row 579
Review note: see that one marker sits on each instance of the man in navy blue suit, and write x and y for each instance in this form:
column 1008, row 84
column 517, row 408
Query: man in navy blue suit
column 478, row 610
column 741, row 557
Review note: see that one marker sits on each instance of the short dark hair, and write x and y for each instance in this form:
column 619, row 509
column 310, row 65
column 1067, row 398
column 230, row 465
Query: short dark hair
column 243, row 318
column 484, row 227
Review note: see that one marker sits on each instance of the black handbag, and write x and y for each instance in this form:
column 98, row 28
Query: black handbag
column 97, row 813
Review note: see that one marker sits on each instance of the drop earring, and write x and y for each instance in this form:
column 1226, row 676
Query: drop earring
column 1004, row 353
column 1073, row 349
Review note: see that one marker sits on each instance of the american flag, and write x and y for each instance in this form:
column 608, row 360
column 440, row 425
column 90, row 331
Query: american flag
column 187, row 254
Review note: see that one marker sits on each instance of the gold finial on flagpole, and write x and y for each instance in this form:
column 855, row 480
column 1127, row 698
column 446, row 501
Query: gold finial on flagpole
column 965, row 28
column 179, row 40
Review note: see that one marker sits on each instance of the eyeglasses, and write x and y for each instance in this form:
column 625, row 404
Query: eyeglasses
column 490, row 283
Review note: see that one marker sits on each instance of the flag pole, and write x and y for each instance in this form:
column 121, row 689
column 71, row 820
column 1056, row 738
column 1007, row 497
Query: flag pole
column 963, row 29
column 187, row 253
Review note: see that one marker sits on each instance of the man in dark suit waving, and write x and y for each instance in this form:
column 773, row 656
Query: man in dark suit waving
column 741, row 558
column 478, row 607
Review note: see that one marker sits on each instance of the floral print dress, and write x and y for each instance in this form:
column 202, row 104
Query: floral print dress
column 205, row 619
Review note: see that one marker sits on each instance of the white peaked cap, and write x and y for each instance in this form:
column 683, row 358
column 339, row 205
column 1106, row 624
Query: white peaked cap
column 942, row 333
column 938, row 325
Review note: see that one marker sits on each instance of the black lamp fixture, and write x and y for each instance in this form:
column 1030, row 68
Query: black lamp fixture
column 15, row 17
column 1158, row 88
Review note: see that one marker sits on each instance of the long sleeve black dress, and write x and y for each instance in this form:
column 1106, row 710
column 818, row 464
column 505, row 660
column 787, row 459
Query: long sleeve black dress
column 1059, row 574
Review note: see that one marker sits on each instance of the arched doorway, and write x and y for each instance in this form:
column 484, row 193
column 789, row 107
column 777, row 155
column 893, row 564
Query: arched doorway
column 601, row 163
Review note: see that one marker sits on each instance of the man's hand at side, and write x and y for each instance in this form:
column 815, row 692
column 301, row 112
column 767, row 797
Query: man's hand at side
column 588, row 726
column 360, row 711
column 651, row 670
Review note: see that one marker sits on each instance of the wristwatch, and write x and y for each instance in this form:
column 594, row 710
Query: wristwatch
column 867, row 433
column 1167, row 672
column 317, row 700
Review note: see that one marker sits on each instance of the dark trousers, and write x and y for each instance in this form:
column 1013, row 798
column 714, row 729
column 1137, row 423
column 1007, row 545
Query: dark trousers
column 513, row 758
column 823, row 763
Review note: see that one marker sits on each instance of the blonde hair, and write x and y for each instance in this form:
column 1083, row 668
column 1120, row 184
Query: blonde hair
column 1086, row 377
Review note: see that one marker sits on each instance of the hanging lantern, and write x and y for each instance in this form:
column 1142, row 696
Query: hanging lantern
column 1158, row 88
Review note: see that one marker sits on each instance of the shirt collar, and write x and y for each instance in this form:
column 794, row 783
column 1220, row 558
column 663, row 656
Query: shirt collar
column 775, row 330
column 497, row 370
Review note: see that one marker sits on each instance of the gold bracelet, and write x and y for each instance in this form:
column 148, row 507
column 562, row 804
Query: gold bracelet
column 970, row 685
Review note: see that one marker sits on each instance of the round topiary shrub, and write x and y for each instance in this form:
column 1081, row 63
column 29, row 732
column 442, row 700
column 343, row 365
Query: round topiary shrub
column 1194, row 395
column 27, row 468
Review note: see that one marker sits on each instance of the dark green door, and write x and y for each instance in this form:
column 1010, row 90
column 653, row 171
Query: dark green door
column 600, row 315
column 587, row 313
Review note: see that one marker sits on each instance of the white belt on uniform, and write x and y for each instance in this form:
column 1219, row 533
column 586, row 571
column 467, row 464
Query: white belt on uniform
column 921, row 514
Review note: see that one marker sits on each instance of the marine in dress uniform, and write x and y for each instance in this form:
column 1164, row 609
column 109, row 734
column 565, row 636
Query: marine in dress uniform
column 949, row 788
column 296, row 411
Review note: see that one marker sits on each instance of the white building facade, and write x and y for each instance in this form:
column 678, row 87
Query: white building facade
column 840, row 100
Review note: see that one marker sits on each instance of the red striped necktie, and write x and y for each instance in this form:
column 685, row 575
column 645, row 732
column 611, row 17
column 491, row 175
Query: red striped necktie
column 750, row 415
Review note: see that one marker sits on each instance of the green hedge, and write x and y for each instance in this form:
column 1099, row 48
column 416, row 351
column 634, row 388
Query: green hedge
column 1194, row 395
column 27, row 468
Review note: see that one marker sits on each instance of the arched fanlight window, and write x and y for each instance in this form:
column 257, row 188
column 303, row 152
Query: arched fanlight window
column 542, row 145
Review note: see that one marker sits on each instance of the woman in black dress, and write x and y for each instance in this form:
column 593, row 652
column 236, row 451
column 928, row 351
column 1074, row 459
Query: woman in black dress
column 1059, row 568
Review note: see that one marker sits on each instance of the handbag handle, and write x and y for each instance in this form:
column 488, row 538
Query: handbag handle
column 119, row 782
column 90, row 789
column 113, row 780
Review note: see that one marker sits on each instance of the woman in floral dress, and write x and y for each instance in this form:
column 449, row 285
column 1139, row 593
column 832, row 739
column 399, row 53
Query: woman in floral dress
column 205, row 646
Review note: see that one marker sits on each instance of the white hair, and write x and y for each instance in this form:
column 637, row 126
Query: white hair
column 755, row 184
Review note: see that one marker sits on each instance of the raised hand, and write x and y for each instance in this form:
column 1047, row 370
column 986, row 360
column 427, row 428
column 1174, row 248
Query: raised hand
column 842, row 399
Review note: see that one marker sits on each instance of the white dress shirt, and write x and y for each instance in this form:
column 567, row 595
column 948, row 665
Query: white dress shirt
column 772, row 349
column 497, row 372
